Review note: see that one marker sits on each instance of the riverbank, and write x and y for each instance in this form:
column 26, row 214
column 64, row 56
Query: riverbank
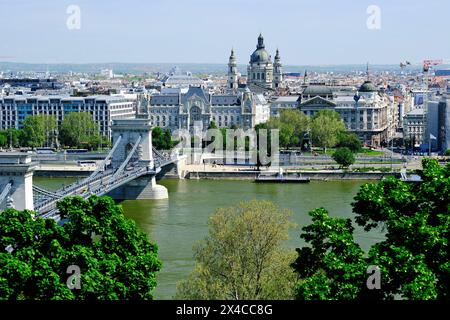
column 312, row 175
column 63, row 170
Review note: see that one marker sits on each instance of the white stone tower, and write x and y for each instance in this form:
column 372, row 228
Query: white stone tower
column 260, row 68
column 277, row 72
column 233, row 75
column 16, row 170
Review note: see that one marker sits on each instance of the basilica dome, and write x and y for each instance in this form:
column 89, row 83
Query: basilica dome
column 260, row 55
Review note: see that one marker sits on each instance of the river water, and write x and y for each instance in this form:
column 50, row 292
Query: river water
column 177, row 223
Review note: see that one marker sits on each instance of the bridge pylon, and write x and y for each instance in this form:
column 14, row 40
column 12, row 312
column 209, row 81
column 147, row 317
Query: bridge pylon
column 134, row 138
column 16, row 180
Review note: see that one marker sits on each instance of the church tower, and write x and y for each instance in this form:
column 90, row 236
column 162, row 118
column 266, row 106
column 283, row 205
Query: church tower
column 277, row 71
column 260, row 68
column 233, row 75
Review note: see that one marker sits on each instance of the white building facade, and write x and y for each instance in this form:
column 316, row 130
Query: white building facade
column 197, row 107
column 15, row 109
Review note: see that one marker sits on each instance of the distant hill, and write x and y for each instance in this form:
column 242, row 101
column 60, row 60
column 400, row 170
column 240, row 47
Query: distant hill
column 197, row 68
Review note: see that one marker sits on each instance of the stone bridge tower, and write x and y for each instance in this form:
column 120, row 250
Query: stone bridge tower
column 16, row 175
column 135, row 134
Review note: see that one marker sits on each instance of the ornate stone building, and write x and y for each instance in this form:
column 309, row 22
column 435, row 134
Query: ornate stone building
column 197, row 107
column 233, row 74
column 368, row 112
column 262, row 74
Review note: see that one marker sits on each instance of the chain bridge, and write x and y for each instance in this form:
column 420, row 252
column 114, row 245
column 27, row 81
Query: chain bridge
column 128, row 172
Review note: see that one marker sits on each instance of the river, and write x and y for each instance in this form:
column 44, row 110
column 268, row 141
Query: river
column 177, row 223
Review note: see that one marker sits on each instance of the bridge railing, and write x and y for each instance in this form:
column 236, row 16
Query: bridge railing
column 102, row 182
column 98, row 186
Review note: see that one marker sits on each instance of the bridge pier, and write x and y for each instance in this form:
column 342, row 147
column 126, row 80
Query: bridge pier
column 139, row 189
column 128, row 132
column 16, row 174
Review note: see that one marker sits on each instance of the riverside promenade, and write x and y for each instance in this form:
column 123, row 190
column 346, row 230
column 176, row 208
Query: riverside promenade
column 217, row 172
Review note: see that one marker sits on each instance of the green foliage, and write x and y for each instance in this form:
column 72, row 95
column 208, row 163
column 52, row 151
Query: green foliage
column 447, row 153
column 79, row 130
column 326, row 126
column 349, row 140
column 162, row 139
column 333, row 267
column 3, row 139
column 293, row 124
column 413, row 259
column 10, row 137
column 242, row 257
column 212, row 125
column 344, row 157
column 116, row 260
column 38, row 130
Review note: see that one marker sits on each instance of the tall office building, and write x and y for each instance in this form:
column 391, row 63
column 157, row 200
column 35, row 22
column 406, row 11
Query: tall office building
column 443, row 138
column 15, row 109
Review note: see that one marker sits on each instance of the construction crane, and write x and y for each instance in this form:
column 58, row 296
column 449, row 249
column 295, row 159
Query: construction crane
column 405, row 63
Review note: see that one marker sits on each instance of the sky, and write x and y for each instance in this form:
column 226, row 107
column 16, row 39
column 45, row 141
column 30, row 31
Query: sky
column 307, row 32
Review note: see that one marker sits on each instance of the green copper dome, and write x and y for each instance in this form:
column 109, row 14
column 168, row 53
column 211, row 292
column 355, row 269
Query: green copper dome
column 367, row 86
column 260, row 54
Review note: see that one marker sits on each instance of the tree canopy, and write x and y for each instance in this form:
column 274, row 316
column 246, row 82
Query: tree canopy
column 79, row 130
column 333, row 266
column 162, row 139
column 242, row 257
column 325, row 128
column 293, row 124
column 344, row 157
column 115, row 259
column 10, row 137
column 413, row 258
column 349, row 140
column 38, row 130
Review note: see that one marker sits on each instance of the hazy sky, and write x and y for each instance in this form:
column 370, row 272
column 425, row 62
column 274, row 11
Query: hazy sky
column 307, row 32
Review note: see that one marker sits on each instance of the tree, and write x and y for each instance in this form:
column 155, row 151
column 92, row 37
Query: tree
column 162, row 139
column 115, row 259
column 77, row 128
column 349, row 140
column 344, row 157
column 325, row 128
column 13, row 137
column 413, row 258
column 212, row 125
column 293, row 124
column 3, row 139
column 38, row 130
column 333, row 266
column 242, row 257
column 33, row 132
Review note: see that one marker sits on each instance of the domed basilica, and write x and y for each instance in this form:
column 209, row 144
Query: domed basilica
column 262, row 74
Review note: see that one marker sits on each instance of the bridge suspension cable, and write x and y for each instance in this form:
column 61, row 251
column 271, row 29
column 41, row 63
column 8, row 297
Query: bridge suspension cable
column 125, row 163
column 46, row 192
column 104, row 161
column 5, row 192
